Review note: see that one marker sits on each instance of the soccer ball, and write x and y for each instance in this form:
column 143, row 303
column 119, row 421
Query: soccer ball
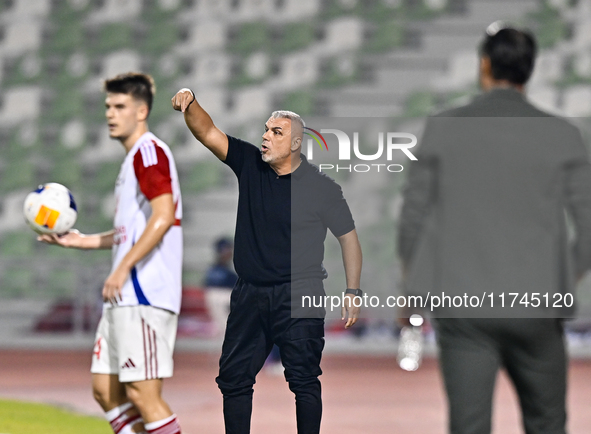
column 50, row 209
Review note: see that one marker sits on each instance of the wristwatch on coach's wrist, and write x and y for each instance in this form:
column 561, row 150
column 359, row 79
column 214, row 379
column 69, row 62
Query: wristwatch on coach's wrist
column 356, row 292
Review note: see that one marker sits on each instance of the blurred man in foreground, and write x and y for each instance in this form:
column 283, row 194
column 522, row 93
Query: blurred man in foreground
column 484, row 217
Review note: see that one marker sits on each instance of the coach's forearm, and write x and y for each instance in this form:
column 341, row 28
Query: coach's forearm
column 204, row 130
column 352, row 258
column 198, row 121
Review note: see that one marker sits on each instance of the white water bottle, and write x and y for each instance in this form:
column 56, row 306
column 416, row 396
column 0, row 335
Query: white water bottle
column 410, row 345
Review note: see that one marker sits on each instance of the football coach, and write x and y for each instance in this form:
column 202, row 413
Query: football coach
column 285, row 207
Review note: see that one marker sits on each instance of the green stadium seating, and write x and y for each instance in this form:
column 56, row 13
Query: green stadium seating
column 17, row 282
column 250, row 37
column 18, row 245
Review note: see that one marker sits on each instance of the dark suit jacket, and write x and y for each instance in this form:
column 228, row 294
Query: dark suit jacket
column 484, row 208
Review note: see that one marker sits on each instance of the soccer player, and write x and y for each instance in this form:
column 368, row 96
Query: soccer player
column 285, row 207
column 136, row 334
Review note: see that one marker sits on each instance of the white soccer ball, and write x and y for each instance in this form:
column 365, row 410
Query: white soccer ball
column 50, row 209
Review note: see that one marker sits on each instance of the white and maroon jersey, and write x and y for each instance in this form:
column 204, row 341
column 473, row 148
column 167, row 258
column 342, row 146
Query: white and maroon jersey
column 148, row 171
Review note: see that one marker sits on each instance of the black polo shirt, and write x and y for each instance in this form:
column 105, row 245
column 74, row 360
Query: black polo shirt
column 282, row 220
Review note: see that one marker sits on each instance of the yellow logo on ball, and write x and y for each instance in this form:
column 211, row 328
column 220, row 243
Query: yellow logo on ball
column 47, row 217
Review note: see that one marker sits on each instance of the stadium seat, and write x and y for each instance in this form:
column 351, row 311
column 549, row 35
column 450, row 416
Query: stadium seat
column 249, row 10
column 582, row 34
column 251, row 103
column 213, row 99
column 66, row 171
column 210, row 69
column 209, row 9
column 462, row 72
column 544, row 97
column 298, row 10
column 159, row 36
column 116, row 11
column 257, row 65
column 20, row 104
column 28, row 8
column 549, row 68
column 386, row 36
column 21, row 36
column 65, row 105
column 17, row 175
column 121, row 61
column 577, row 101
column 11, row 213
column 104, row 150
column 66, row 36
column 200, row 177
column 342, row 34
column 436, row 5
column 204, row 35
column 73, row 134
column 115, row 36
column 296, row 36
column 249, row 37
column 296, row 70
column 59, row 283
column 18, row 244
column 582, row 63
column 16, row 282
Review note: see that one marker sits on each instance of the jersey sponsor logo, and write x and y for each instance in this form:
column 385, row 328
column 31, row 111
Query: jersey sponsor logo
column 128, row 364
column 120, row 235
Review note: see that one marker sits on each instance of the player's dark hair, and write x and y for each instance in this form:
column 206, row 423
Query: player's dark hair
column 140, row 86
column 512, row 54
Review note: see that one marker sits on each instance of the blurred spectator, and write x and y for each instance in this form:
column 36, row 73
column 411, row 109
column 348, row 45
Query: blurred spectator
column 219, row 281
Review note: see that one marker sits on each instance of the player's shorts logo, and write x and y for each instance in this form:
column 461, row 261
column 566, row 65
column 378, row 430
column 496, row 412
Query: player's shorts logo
column 128, row 364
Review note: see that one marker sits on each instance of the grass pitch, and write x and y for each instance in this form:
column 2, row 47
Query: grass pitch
column 26, row 418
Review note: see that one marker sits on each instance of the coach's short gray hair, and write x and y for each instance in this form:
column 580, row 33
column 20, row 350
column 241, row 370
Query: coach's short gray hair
column 286, row 114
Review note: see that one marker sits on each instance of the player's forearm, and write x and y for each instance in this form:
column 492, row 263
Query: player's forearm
column 103, row 240
column 156, row 228
column 352, row 258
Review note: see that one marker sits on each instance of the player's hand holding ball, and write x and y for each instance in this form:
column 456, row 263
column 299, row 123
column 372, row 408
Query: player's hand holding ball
column 71, row 239
column 50, row 209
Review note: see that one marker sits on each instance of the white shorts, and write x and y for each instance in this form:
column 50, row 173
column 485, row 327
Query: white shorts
column 135, row 342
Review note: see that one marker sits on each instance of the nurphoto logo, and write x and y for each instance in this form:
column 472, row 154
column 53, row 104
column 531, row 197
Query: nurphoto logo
column 389, row 143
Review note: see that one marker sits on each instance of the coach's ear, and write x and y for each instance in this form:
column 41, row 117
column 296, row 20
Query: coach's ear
column 296, row 142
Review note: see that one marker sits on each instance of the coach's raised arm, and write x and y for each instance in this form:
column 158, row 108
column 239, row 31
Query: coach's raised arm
column 200, row 123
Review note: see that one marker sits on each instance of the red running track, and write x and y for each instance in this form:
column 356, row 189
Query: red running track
column 361, row 394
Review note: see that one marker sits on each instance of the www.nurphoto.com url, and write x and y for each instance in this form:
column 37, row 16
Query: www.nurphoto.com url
column 432, row 301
